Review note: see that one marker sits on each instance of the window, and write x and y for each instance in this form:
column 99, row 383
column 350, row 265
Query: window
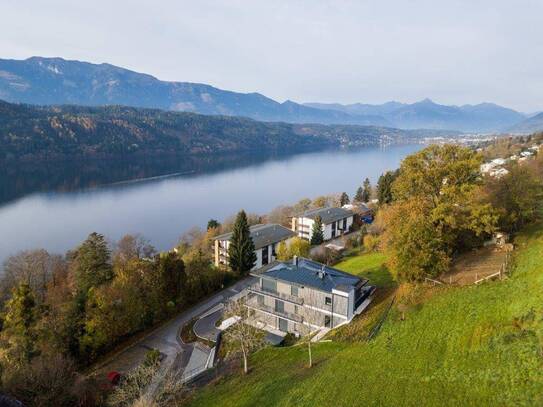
column 294, row 290
column 279, row 306
column 265, row 255
column 327, row 321
column 274, row 248
column 345, row 224
column 269, row 285
column 328, row 301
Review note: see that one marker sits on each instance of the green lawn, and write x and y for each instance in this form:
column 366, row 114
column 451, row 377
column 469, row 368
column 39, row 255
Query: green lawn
column 368, row 265
column 470, row 346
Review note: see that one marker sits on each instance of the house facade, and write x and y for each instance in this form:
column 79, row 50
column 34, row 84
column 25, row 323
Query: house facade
column 266, row 238
column 303, row 296
column 335, row 222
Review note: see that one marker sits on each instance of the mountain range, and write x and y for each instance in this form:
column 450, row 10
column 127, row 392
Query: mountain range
column 55, row 81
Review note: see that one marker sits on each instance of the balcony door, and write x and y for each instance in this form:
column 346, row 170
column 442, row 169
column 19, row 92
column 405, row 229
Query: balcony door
column 283, row 325
column 279, row 306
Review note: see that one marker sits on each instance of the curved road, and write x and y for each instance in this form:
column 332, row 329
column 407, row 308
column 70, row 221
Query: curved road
column 205, row 327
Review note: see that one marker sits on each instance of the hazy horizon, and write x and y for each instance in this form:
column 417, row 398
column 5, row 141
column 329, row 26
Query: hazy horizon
column 343, row 52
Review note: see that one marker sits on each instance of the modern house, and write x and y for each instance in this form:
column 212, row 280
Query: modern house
column 302, row 296
column 266, row 237
column 335, row 222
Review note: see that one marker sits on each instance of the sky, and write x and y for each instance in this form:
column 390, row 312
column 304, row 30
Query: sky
column 454, row 52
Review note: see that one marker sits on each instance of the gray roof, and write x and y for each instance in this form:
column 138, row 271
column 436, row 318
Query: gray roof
column 328, row 215
column 264, row 234
column 308, row 273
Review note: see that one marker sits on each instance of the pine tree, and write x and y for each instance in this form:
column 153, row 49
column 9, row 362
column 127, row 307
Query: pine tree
column 366, row 193
column 213, row 224
column 18, row 333
column 344, row 199
column 359, row 196
column 241, row 251
column 317, row 237
column 92, row 263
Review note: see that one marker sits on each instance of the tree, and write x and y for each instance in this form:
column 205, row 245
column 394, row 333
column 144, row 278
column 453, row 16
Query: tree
column 359, row 196
column 517, row 197
column 317, row 235
column 241, row 250
column 344, row 199
column 33, row 267
column 297, row 247
column 172, row 276
column 131, row 247
column 19, row 331
column 213, row 224
column 243, row 335
column 366, row 192
column 436, row 211
column 384, row 187
column 92, row 263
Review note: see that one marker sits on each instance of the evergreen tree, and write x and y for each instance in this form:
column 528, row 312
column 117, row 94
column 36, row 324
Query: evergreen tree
column 317, row 237
column 18, row 333
column 366, row 193
column 359, row 196
column 213, row 224
column 384, row 187
column 172, row 276
column 241, row 251
column 92, row 263
column 344, row 199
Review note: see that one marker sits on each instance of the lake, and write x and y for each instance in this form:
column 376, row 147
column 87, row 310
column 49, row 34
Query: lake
column 55, row 206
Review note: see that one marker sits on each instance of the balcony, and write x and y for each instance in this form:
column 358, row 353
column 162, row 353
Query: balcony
column 272, row 311
column 285, row 297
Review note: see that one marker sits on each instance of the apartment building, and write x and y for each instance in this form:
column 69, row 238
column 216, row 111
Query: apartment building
column 266, row 238
column 335, row 222
column 302, row 296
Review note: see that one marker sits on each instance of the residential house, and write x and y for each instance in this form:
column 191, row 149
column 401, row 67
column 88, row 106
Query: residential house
column 266, row 237
column 302, row 296
column 335, row 222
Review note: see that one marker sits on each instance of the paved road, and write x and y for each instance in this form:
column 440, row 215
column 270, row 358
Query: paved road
column 166, row 337
column 205, row 327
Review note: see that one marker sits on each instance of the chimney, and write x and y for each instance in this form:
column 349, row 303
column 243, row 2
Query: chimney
column 295, row 261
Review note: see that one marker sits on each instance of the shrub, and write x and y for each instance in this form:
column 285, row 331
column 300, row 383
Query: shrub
column 372, row 243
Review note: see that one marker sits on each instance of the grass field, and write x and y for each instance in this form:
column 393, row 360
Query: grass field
column 368, row 265
column 458, row 346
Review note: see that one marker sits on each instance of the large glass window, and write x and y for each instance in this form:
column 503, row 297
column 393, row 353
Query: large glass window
column 279, row 306
column 269, row 285
column 294, row 290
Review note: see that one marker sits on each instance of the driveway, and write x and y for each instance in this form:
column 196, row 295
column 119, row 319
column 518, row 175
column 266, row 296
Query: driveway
column 165, row 338
column 205, row 327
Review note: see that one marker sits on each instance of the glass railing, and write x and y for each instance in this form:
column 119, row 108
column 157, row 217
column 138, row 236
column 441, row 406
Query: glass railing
column 256, row 288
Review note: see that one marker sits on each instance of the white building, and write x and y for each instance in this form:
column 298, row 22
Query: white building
column 266, row 238
column 335, row 222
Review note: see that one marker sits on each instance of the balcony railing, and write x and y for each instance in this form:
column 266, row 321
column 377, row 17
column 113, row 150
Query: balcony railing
column 256, row 288
column 272, row 311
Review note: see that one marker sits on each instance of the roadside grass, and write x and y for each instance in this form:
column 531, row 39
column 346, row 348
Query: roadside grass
column 458, row 346
column 368, row 265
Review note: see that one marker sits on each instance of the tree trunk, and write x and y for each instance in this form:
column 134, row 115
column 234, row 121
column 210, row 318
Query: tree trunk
column 245, row 369
column 309, row 349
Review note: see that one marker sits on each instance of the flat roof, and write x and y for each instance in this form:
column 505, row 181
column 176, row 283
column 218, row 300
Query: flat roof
column 314, row 274
column 264, row 234
column 328, row 215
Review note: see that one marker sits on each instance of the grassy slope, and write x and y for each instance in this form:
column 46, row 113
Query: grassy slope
column 370, row 266
column 474, row 346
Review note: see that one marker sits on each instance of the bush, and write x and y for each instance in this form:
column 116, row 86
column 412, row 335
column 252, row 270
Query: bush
column 372, row 243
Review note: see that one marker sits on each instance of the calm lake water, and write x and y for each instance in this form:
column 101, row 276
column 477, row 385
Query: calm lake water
column 56, row 206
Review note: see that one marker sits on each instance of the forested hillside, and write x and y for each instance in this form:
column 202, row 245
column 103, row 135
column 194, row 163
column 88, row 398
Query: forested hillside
column 67, row 132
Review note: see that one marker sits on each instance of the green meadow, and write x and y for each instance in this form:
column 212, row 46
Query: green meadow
column 470, row 346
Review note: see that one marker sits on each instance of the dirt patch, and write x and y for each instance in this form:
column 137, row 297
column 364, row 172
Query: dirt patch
column 475, row 265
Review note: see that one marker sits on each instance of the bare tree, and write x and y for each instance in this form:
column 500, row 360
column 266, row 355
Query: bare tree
column 246, row 337
column 33, row 267
column 133, row 247
column 311, row 320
